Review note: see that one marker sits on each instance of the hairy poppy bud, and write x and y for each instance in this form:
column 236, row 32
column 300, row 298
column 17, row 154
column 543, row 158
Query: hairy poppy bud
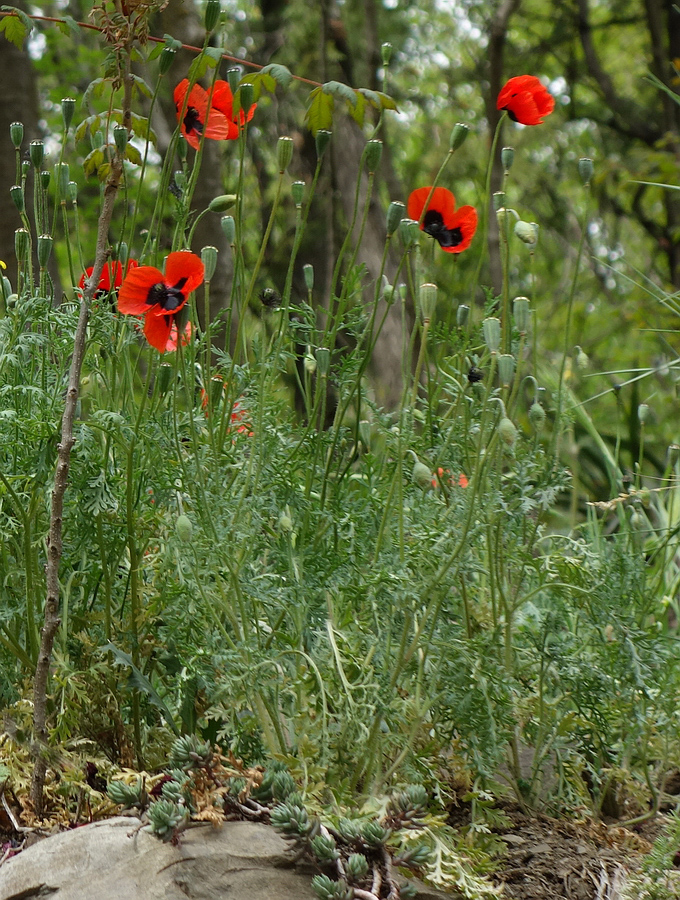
column 284, row 152
column 72, row 191
column 462, row 315
column 520, row 310
column 386, row 53
column 308, row 272
column 395, row 213
column 22, row 241
column 184, row 529
column 643, row 413
column 491, row 329
column 506, row 368
column 507, row 158
column 166, row 59
column 421, row 476
column 388, row 293
column 537, row 416
column 297, row 190
column 428, row 300
column 228, row 228
column 585, row 169
column 45, row 242
column 212, row 14
column 16, row 133
column 68, row 106
column 373, row 153
column 63, row 177
column 36, row 151
column 120, row 137
column 323, row 359
column 507, row 431
column 233, row 78
column 221, row 203
column 459, row 135
column 582, row 361
column 309, row 362
column 123, row 253
column 527, row 232
column 322, row 141
column 16, row 192
column 285, row 523
column 209, row 260
column 246, row 96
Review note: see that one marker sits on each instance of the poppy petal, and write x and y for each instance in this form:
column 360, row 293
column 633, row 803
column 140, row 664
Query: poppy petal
column 442, row 201
column 133, row 297
column 526, row 100
column 184, row 265
column 464, row 223
column 157, row 329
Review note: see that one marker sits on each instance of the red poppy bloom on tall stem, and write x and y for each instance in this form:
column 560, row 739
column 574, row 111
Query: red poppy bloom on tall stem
column 158, row 297
column 526, row 100
column 452, row 228
column 111, row 277
column 208, row 112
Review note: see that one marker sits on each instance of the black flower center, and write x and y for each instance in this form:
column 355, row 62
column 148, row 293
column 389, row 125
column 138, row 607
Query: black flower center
column 433, row 224
column 192, row 121
column 168, row 298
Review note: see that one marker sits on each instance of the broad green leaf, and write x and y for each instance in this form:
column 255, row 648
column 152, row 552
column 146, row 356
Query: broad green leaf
column 386, row 101
column 279, row 73
column 198, row 68
column 373, row 97
column 319, row 113
column 142, row 128
column 68, row 25
column 338, row 89
column 259, row 81
column 358, row 111
column 93, row 160
column 91, row 125
column 94, row 89
column 213, row 56
column 155, row 52
column 142, row 86
column 14, row 29
column 133, row 155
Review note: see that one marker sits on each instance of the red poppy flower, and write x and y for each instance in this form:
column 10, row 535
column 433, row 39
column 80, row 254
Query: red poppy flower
column 171, row 345
column 208, row 112
column 526, row 100
column 445, row 475
column 111, row 277
column 147, row 292
column 453, row 229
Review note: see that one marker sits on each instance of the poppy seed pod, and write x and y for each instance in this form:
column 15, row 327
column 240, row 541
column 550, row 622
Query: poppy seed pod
column 527, row 232
column 585, row 169
column 506, row 368
column 233, row 78
column 184, row 529
column 507, row 431
column 45, row 242
column 507, row 158
column 499, row 200
column 462, row 315
column 45, row 178
column 408, row 231
column 218, row 204
column 68, row 106
column 25, row 167
column 22, row 242
column 427, row 296
column 16, row 133
column 212, row 14
column 246, row 96
column 322, row 141
column 36, row 151
column 166, row 59
column 16, row 192
column 284, row 152
column 537, row 416
column 491, row 329
column 120, row 137
column 459, row 134
column 673, row 454
column 373, row 154
column 323, row 359
column 643, row 413
column 63, row 178
column 520, row 310
column 228, row 228
column 72, row 191
column 297, row 190
column 395, row 213
column 308, row 272
column 209, row 260
column 386, row 53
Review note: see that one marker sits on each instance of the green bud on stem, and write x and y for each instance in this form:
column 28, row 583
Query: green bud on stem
column 395, row 213
column 16, row 133
column 209, row 260
column 68, row 107
column 284, row 152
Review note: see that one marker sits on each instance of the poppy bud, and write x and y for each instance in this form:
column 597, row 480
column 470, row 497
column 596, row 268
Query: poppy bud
column 212, row 14
column 459, row 135
column 182, row 148
column 582, row 361
column 537, row 416
column 323, row 359
column 507, row 431
column 408, row 231
column 428, row 300
column 520, row 310
column 45, row 178
column 228, row 228
column 166, row 59
column 499, row 200
column 123, row 253
column 421, row 476
column 164, row 377
column 22, row 241
column 373, row 154
column 45, row 242
column 643, row 413
column 63, row 177
column 309, row 362
column 507, row 158
column 506, row 368
column 395, row 213
column 284, row 152
column 285, row 523
column 184, row 529
column 527, row 232
column 246, row 96
column 25, row 167
column 388, row 293
column 68, row 106
column 638, row 521
column 16, row 192
column 72, row 191
column 209, row 260
column 308, row 272
column 233, row 78
column 120, row 137
column 386, row 53
column 36, row 150
column 585, row 169
column 491, row 329
column 322, row 141
column 221, row 203
column 16, row 133
column 297, row 190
